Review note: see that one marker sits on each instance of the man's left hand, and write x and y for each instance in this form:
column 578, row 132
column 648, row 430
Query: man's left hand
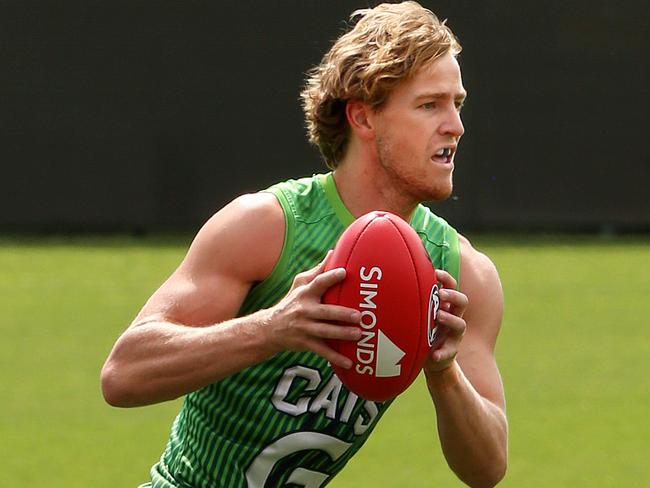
column 450, row 324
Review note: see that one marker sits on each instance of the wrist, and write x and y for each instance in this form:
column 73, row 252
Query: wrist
column 262, row 329
column 443, row 379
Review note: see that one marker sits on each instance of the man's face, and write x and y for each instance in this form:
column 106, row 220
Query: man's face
column 418, row 128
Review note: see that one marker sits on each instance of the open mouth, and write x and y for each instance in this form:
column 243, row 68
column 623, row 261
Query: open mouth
column 443, row 155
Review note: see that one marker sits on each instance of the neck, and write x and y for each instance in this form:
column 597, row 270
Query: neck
column 367, row 187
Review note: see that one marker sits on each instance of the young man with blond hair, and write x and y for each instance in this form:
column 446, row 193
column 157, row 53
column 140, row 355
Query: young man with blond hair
column 239, row 327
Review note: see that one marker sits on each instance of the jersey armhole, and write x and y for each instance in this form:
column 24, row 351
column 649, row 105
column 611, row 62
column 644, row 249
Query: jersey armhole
column 453, row 255
column 289, row 229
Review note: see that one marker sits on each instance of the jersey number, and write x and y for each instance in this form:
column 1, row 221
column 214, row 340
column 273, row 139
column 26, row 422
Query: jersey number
column 262, row 466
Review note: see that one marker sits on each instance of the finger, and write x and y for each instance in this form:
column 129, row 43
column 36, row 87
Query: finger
column 330, row 354
column 323, row 263
column 458, row 301
column 308, row 275
column 323, row 330
column 440, row 337
column 445, row 279
column 454, row 324
column 323, row 281
column 337, row 313
column 446, row 353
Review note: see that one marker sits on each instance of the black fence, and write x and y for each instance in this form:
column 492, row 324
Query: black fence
column 123, row 115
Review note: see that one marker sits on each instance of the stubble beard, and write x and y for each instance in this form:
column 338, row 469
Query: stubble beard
column 417, row 187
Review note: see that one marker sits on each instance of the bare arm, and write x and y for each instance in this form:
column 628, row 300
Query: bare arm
column 185, row 336
column 463, row 377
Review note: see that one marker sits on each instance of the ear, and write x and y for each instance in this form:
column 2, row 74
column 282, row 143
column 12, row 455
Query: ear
column 358, row 114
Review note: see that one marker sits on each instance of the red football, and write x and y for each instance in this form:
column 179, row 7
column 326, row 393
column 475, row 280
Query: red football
column 391, row 281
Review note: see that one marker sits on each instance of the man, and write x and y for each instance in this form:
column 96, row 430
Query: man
column 240, row 328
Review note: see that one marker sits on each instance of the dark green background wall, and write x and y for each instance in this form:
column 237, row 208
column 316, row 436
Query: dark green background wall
column 130, row 115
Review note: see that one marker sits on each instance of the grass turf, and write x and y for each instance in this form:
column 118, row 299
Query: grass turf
column 573, row 352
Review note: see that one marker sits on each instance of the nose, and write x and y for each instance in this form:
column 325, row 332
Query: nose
column 452, row 125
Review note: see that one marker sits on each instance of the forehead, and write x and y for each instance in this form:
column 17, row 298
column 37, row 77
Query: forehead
column 440, row 77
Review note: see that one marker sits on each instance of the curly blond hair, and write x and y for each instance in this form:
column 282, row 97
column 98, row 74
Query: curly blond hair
column 388, row 43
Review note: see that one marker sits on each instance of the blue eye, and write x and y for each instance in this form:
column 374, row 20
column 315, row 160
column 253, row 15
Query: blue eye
column 428, row 105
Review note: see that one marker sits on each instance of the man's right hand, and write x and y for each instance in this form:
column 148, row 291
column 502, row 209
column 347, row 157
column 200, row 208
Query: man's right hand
column 301, row 322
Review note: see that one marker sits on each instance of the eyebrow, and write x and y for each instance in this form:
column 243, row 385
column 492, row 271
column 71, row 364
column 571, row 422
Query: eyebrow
column 460, row 97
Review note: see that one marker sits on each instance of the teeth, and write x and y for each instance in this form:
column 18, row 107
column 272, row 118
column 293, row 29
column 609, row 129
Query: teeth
column 444, row 152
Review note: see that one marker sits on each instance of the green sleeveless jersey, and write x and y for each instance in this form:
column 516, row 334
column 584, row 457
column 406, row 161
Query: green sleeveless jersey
column 289, row 420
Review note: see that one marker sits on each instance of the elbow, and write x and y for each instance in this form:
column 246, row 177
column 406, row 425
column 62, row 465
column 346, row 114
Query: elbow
column 490, row 475
column 494, row 476
column 119, row 377
column 114, row 388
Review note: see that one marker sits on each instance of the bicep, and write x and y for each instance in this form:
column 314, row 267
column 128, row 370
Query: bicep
column 476, row 357
column 189, row 299
column 237, row 247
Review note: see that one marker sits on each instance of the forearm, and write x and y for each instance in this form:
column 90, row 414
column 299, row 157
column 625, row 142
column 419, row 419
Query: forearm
column 158, row 361
column 473, row 431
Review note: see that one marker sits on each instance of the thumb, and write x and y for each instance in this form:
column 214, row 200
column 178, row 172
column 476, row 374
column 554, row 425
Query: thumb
column 309, row 275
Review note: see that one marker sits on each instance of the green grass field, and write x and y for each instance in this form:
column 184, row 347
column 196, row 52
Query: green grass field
column 574, row 354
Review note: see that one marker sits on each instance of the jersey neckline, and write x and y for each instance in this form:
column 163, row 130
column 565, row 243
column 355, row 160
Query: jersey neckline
column 331, row 192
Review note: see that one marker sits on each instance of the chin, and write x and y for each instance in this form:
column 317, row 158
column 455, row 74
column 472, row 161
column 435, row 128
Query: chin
column 438, row 193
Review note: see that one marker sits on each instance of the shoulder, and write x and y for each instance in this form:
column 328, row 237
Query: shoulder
column 479, row 280
column 244, row 238
column 476, row 268
column 235, row 248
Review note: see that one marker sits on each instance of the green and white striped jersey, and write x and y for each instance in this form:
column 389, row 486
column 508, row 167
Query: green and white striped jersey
column 288, row 421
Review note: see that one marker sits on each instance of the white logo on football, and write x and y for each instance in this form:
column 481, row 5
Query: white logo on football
column 388, row 357
column 434, row 306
